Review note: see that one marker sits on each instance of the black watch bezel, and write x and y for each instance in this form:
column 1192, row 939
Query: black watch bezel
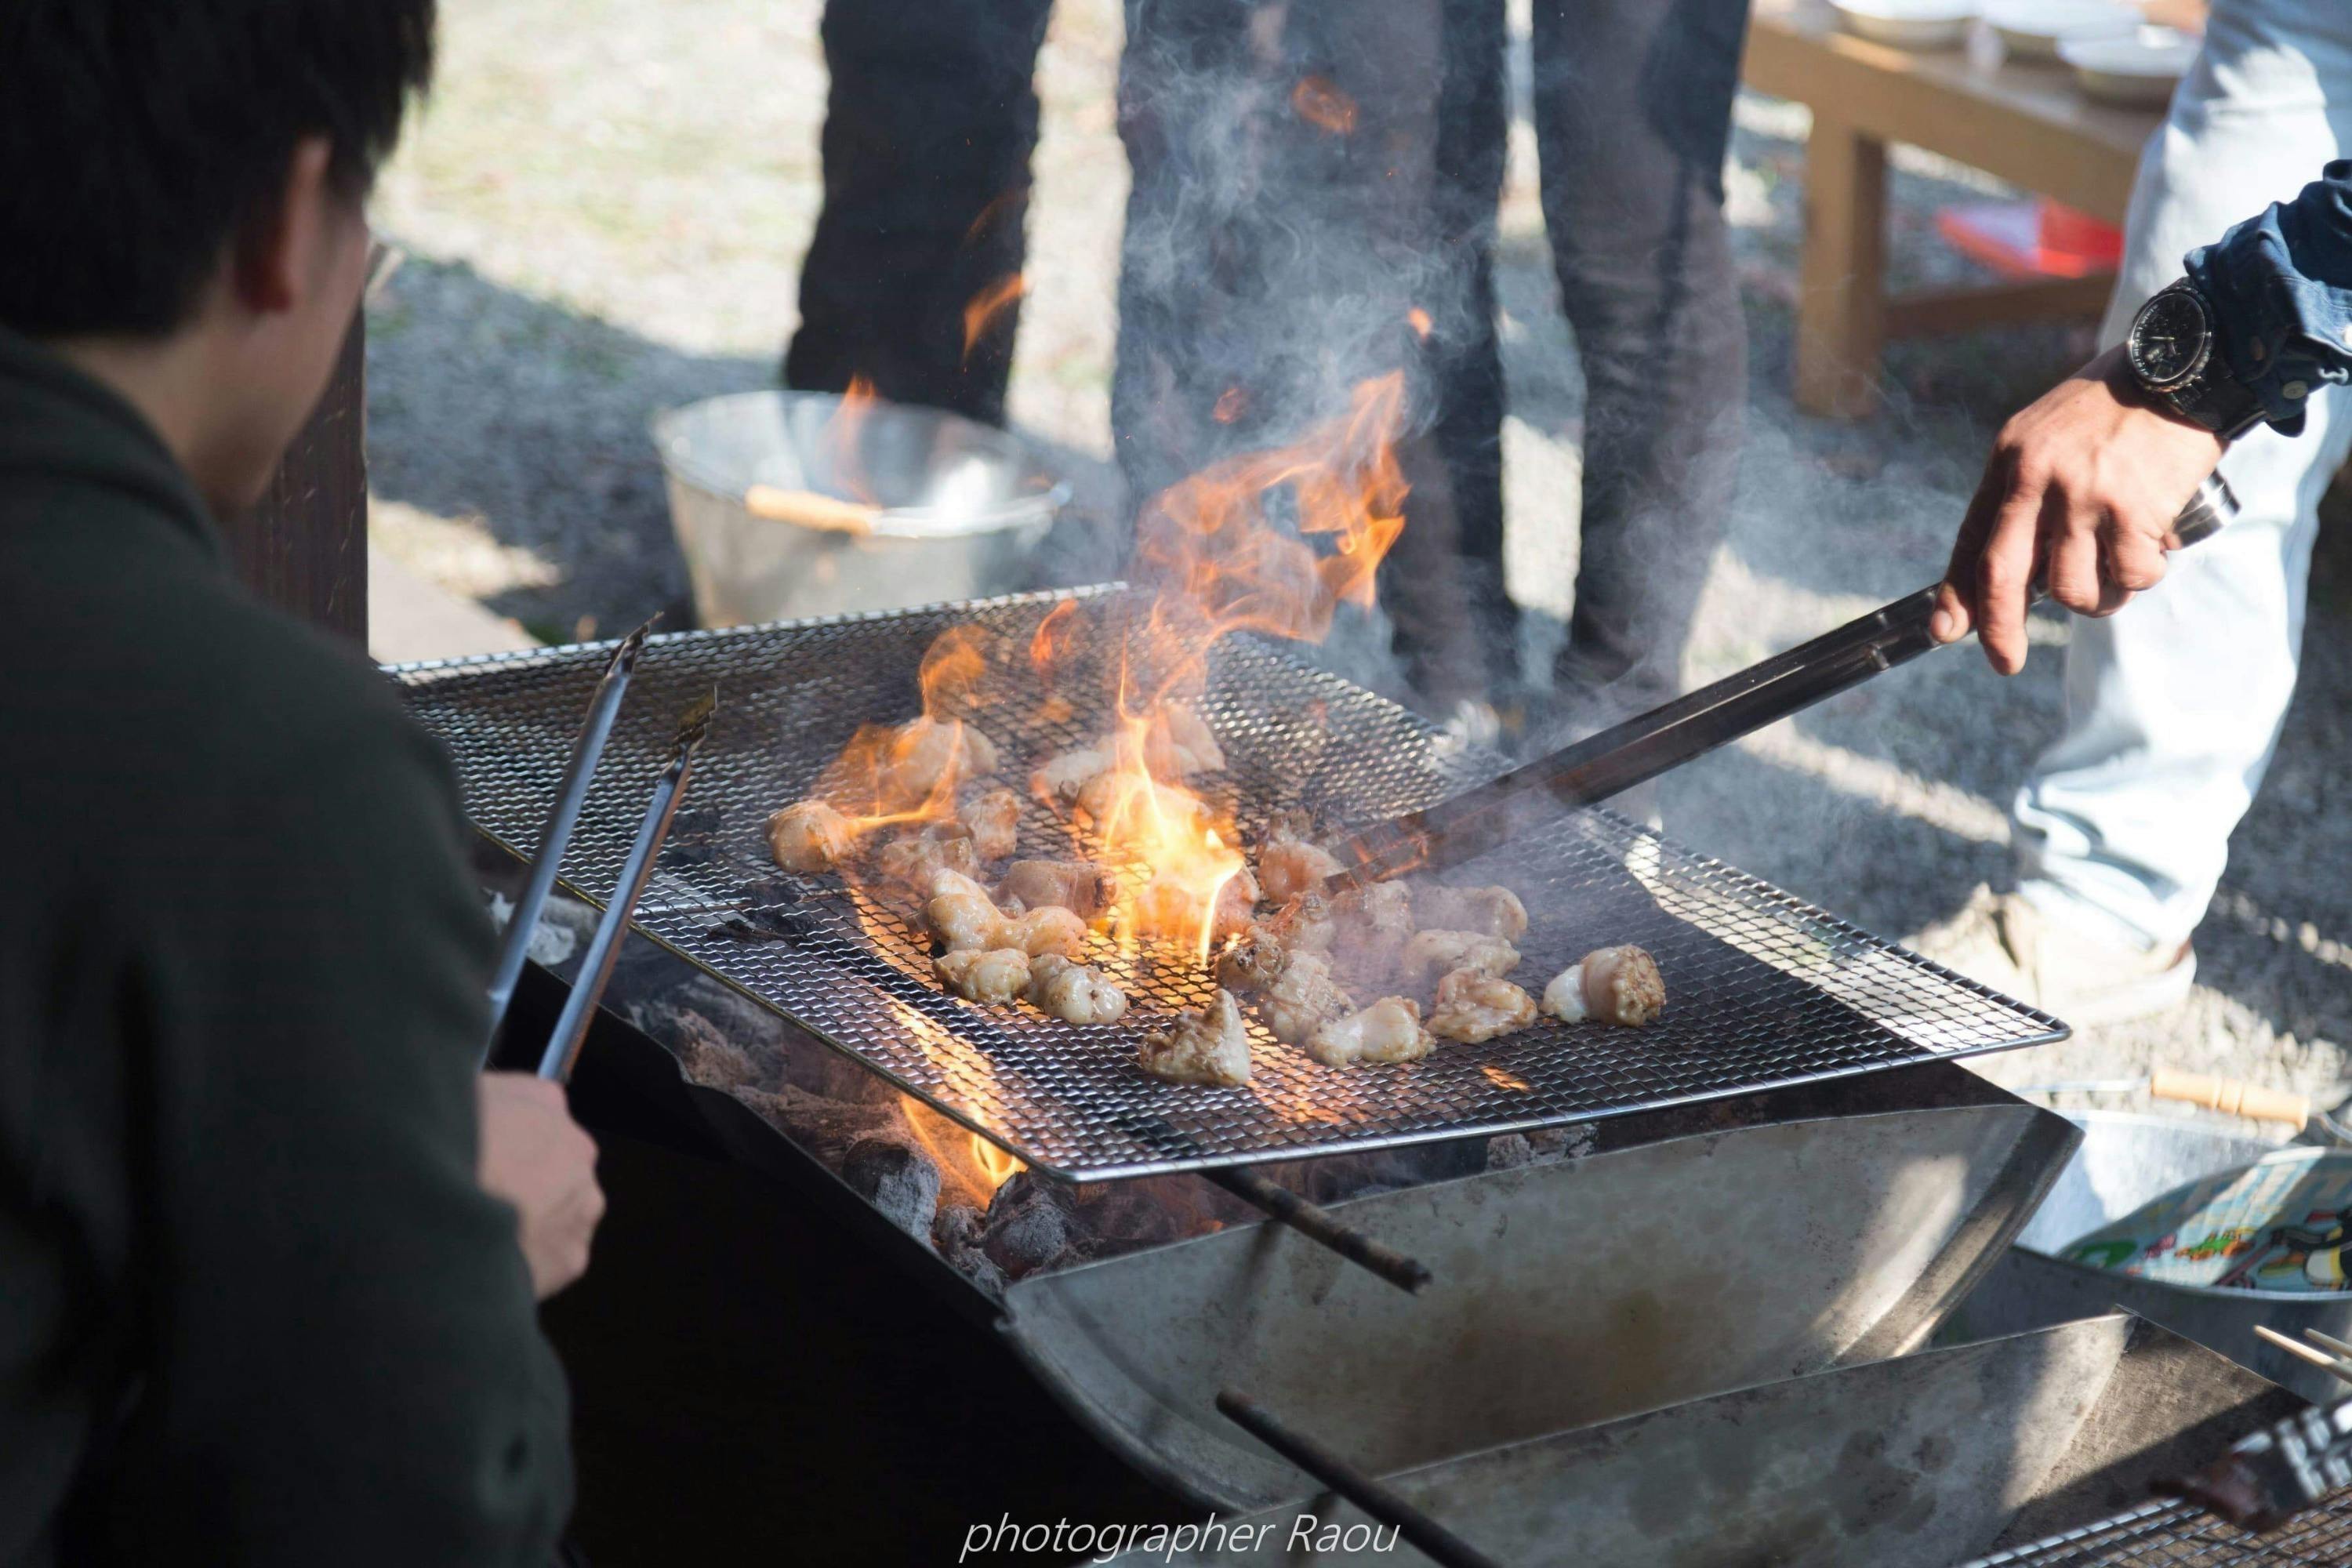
column 2135, row 351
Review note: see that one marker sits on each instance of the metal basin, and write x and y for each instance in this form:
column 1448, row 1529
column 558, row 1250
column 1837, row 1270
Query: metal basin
column 2123, row 1162
column 1916, row 1463
column 1565, row 1294
column 957, row 507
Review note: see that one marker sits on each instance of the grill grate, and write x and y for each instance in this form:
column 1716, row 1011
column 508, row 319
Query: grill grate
column 1763, row 990
column 2180, row 1535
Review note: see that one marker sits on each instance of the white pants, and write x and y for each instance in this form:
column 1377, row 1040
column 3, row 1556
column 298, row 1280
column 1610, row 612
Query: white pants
column 2173, row 706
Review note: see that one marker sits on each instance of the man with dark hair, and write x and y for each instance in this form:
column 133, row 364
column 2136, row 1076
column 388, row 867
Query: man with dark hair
column 261, row 1295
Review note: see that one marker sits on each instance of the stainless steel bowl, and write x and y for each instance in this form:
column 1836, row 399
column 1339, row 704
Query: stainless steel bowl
column 785, row 507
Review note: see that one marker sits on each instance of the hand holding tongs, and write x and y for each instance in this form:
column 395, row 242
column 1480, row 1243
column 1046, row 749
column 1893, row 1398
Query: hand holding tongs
column 1639, row 749
column 603, row 948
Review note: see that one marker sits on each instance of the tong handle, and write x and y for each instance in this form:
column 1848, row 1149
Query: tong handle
column 2232, row 1097
column 1639, row 749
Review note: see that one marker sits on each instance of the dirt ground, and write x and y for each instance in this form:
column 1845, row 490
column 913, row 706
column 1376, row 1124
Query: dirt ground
column 603, row 210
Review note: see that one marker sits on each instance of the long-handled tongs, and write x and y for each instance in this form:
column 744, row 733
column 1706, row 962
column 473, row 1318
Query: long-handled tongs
column 604, row 947
column 587, row 749
column 1639, row 749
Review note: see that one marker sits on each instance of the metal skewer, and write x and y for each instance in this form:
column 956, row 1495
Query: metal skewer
column 1436, row 1542
column 1639, row 749
column 1317, row 1224
column 604, row 947
column 595, row 729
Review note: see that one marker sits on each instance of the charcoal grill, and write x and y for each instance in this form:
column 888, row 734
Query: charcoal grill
column 1766, row 991
column 2177, row 1534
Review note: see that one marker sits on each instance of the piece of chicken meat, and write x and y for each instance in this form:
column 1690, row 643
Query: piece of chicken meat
column 1433, row 953
column 912, row 860
column 1305, row 998
column 1210, row 1047
column 1388, row 1031
column 1086, row 888
column 1610, row 984
column 1074, row 993
column 994, row 819
column 1255, row 959
column 1289, row 867
column 1059, row 780
column 809, row 837
column 1490, row 912
column 997, row 975
column 1473, row 1007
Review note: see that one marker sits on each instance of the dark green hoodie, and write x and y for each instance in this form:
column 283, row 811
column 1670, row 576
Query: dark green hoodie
column 253, row 1307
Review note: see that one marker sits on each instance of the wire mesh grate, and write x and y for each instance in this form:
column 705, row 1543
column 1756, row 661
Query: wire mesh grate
column 1763, row 989
column 2180, row 1535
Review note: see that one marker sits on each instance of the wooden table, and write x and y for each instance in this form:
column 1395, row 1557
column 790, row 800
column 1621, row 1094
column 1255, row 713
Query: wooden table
column 2023, row 121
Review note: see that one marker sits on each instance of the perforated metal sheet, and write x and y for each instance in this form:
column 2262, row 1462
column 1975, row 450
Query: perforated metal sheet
column 1763, row 989
column 2177, row 1534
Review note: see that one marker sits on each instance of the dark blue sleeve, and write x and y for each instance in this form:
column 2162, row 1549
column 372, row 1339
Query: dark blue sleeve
column 2281, row 285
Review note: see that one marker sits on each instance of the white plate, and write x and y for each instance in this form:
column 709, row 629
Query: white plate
column 1908, row 24
column 2033, row 29
column 2140, row 70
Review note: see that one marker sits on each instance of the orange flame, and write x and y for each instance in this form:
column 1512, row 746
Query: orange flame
column 988, row 307
column 1418, row 320
column 996, row 1164
column 1319, row 102
column 844, row 440
column 1232, row 404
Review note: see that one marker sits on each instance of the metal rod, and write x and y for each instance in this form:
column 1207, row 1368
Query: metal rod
column 1436, row 1542
column 1315, row 1224
column 587, row 748
column 604, row 948
column 2340, row 1370
column 1639, row 749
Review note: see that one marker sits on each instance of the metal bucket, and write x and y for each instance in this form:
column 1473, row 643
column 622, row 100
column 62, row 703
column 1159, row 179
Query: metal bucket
column 2123, row 1162
column 1915, row 1463
column 941, row 507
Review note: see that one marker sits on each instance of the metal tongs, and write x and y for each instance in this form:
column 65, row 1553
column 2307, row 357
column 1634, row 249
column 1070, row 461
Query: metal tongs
column 1639, row 749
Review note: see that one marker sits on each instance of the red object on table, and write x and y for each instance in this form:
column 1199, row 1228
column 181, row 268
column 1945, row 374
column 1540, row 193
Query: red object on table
column 2035, row 238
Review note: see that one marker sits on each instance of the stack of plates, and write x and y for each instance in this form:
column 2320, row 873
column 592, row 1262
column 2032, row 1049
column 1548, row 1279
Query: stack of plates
column 1908, row 24
column 2140, row 69
column 2033, row 29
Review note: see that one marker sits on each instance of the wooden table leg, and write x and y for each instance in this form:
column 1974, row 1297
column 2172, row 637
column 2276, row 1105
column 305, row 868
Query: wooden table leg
column 1841, row 278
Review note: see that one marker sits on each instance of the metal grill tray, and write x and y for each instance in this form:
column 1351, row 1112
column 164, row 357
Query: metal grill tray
column 2180, row 1535
column 1763, row 990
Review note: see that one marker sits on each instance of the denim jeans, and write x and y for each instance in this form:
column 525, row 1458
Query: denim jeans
column 2173, row 707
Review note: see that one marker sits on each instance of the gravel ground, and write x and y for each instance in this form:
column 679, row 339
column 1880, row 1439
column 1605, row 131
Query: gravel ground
column 603, row 209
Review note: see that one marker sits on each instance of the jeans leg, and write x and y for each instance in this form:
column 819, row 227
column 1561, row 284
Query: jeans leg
column 928, row 134
column 2173, row 706
column 1632, row 115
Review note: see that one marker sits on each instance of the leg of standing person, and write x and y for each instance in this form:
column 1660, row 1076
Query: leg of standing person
column 1632, row 102
column 2173, row 706
column 929, row 125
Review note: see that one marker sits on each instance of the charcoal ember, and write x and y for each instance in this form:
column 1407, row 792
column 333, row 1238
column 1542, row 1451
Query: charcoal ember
column 1027, row 1227
column 1118, row 1220
column 1509, row 1152
column 704, row 1055
column 958, row 1235
column 825, row 1128
column 1545, row 1146
column 741, row 1022
column 897, row 1178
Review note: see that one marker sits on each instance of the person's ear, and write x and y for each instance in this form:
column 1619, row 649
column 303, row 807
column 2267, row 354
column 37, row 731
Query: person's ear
column 278, row 250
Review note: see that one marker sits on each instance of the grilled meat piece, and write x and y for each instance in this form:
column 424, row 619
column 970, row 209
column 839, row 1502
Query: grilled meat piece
column 1432, row 953
column 1390, row 1030
column 911, row 859
column 984, row 974
column 1473, row 1007
column 1290, row 868
column 964, row 922
column 809, row 837
column 1490, row 912
column 1305, row 998
column 1086, row 888
column 1050, row 930
column 1058, row 781
column 1209, row 1047
column 1255, row 959
column 1174, row 909
column 1610, row 984
column 1188, row 729
column 926, row 753
column 1074, row 993
column 994, row 819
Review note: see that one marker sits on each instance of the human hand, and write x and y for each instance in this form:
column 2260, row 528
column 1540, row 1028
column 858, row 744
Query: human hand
column 537, row 1158
column 2082, row 488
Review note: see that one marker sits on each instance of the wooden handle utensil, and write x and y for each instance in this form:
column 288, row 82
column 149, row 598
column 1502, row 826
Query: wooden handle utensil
column 2234, row 1097
column 809, row 510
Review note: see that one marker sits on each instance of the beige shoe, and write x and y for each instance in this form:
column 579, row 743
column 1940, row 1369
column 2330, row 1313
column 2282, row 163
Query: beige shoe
column 2003, row 941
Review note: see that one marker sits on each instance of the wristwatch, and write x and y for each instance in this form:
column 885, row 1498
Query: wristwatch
column 2172, row 352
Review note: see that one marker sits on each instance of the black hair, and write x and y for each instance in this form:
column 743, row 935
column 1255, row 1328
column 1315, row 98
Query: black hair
column 137, row 137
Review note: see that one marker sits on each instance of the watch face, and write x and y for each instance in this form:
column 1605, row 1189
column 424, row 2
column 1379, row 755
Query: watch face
column 2170, row 339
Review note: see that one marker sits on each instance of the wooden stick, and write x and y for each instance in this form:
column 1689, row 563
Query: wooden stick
column 2341, row 1370
column 2328, row 1341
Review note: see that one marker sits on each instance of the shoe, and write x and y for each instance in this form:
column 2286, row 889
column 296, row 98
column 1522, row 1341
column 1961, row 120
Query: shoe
column 2004, row 940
